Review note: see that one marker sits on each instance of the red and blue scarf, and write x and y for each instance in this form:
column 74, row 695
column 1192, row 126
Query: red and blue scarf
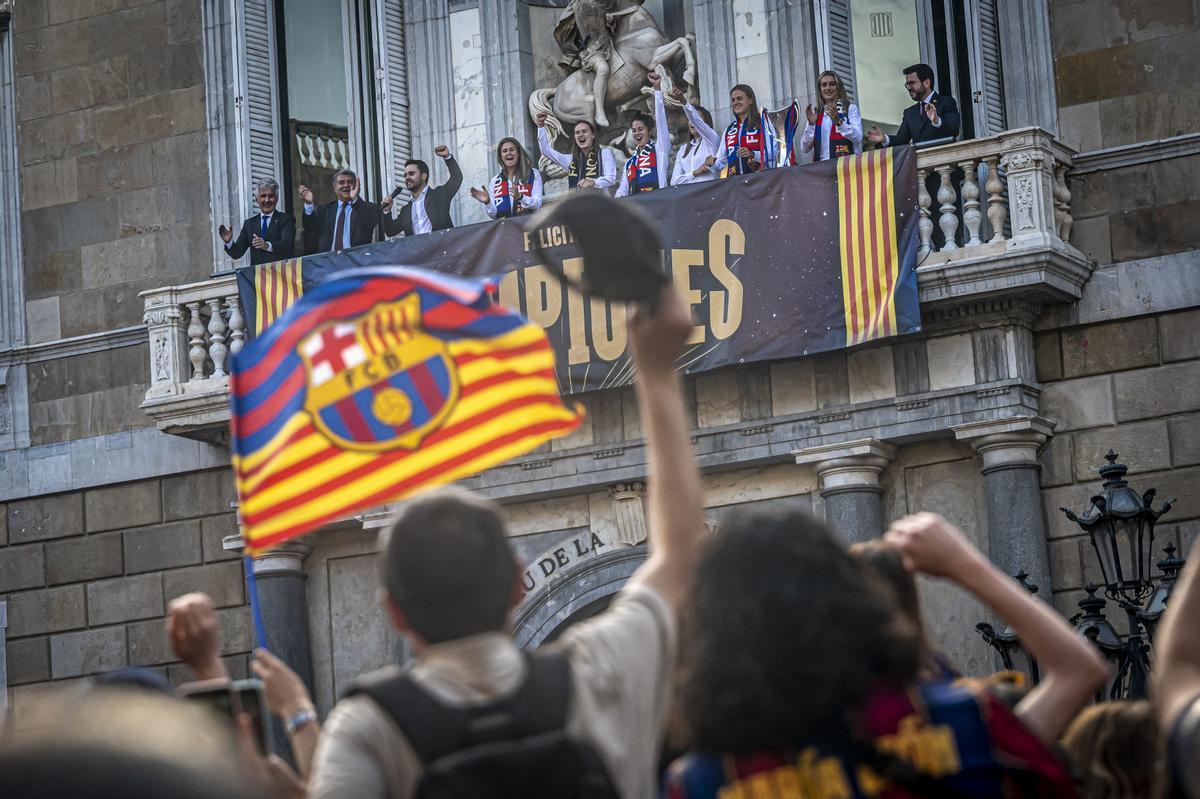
column 503, row 192
column 641, row 169
column 739, row 135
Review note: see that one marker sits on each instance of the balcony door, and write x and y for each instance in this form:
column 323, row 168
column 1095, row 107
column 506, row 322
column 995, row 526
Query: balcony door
column 869, row 42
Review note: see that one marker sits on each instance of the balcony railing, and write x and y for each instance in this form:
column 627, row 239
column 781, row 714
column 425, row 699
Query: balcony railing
column 1002, row 208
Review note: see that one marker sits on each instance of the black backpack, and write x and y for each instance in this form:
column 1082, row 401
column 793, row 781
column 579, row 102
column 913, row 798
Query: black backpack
column 514, row 747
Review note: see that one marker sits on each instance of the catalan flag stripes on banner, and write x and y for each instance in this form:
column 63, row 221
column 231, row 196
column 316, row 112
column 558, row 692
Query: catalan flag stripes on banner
column 870, row 252
column 276, row 286
column 377, row 384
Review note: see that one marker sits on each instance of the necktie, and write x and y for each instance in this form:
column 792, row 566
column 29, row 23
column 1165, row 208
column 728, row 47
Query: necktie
column 339, row 229
column 266, row 222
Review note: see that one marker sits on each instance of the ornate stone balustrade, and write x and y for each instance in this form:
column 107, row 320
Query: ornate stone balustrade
column 322, row 146
column 194, row 330
column 1002, row 212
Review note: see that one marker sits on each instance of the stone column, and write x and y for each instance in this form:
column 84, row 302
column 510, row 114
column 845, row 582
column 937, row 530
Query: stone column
column 1028, row 64
column 431, row 84
column 791, row 40
column 849, row 473
column 629, row 507
column 716, row 56
column 283, row 602
column 1016, row 519
column 507, row 69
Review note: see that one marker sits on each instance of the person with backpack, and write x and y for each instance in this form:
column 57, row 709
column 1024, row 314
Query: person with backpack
column 474, row 715
column 798, row 677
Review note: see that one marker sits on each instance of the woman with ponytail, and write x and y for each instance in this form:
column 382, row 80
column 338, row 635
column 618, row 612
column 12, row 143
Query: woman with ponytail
column 588, row 166
column 742, row 149
column 517, row 187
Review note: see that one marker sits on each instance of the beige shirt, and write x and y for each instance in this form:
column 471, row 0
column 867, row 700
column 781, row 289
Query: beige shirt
column 620, row 667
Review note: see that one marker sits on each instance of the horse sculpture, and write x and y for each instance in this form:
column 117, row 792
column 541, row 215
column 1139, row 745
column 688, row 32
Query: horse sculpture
column 638, row 47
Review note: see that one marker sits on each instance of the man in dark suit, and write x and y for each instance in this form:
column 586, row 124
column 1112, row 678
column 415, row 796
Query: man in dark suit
column 430, row 206
column 932, row 116
column 270, row 235
column 347, row 221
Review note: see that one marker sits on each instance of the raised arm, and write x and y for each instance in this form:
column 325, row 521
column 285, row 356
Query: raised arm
column 675, row 510
column 662, row 139
column 710, row 136
column 1072, row 669
column 1176, row 679
column 237, row 247
column 548, row 150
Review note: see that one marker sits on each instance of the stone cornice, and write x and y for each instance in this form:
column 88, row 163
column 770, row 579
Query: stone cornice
column 131, row 336
column 1133, row 154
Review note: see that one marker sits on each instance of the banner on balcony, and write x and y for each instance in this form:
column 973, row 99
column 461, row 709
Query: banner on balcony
column 785, row 263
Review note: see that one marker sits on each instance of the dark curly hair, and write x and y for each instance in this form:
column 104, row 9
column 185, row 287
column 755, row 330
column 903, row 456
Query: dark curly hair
column 782, row 638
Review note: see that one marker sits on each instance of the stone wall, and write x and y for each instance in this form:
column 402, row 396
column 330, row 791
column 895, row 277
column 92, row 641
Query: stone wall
column 114, row 187
column 1132, row 385
column 1126, row 71
column 87, row 576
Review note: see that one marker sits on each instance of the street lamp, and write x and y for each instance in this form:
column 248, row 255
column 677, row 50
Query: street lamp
column 1006, row 642
column 1120, row 524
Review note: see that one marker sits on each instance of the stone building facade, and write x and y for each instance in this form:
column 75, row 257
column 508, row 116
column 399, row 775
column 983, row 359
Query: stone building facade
column 1065, row 323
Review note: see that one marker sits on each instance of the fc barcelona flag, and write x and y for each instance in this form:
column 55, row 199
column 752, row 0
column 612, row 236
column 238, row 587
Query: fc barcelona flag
column 377, row 384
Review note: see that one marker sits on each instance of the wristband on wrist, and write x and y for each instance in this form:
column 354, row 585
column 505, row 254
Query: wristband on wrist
column 295, row 722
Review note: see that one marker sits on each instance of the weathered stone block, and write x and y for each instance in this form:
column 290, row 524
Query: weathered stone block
column 28, row 660
column 1074, row 497
column 871, row 374
column 165, row 69
column 832, row 380
column 1176, row 485
column 22, row 567
column 1048, row 356
column 1161, row 230
column 911, row 367
column 183, row 21
column 163, row 546
column 49, row 183
column 1093, row 237
column 66, row 227
column 213, row 531
column 1079, row 404
column 127, row 31
column 221, row 581
column 148, row 644
column 717, row 399
column 56, row 137
column 120, row 169
column 1185, row 440
column 129, row 505
column 793, row 387
column 1057, row 462
column 68, row 10
column 1142, row 447
column 951, row 361
column 50, row 48
column 3, row 525
column 1066, row 565
column 183, row 158
column 754, row 392
column 92, row 557
column 125, row 599
column 120, row 261
column 198, row 494
column 87, row 652
column 49, row 611
column 53, row 274
column 237, row 630
column 238, row 667
column 33, row 96
column 1162, row 391
column 1110, row 347
column 99, row 83
column 43, row 320
column 1180, row 335
column 55, row 516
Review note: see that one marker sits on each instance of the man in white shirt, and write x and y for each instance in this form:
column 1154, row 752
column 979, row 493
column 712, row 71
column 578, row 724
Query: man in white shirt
column 452, row 582
column 430, row 206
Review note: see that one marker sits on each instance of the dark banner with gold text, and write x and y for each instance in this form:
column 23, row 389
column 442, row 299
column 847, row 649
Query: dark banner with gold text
column 781, row 264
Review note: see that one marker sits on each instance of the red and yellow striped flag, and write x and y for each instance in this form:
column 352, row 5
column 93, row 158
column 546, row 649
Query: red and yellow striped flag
column 277, row 286
column 870, row 253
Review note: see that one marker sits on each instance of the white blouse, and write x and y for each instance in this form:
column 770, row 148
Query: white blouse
column 691, row 157
column 851, row 128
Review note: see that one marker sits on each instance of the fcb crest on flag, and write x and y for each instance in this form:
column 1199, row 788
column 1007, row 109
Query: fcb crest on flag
column 379, row 383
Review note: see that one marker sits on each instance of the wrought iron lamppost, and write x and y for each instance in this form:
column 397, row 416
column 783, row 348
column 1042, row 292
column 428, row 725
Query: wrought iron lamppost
column 1120, row 524
column 1006, row 643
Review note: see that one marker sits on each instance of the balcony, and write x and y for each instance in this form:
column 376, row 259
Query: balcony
column 1001, row 206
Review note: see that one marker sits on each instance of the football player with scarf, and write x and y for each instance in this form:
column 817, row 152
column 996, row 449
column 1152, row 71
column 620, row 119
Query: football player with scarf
column 517, row 187
column 589, row 166
column 743, row 147
column 649, row 167
column 835, row 129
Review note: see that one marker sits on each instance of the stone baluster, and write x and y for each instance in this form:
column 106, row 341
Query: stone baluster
column 216, row 337
column 997, row 211
column 237, row 325
column 948, row 221
column 972, row 217
column 197, row 352
column 1062, row 203
column 925, row 224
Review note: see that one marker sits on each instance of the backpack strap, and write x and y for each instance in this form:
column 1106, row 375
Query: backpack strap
column 435, row 729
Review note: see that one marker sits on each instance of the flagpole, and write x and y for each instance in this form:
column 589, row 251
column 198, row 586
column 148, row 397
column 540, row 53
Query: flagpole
column 260, row 632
